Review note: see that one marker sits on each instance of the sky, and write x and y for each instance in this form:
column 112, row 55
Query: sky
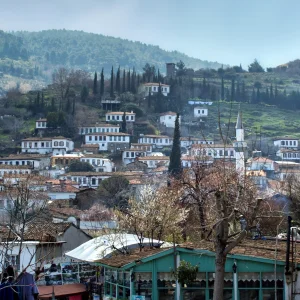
column 227, row 31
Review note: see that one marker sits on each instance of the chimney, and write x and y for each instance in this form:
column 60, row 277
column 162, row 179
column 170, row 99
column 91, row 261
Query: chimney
column 78, row 222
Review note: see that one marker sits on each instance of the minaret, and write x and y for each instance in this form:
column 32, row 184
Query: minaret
column 240, row 145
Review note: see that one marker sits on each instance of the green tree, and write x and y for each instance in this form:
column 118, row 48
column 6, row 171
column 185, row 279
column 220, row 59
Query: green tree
column 114, row 192
column 232, row 95
column 149, row 72
column 181, row 69
column 102, row 84
column 175, row 167
column 149, row 99
column 55, row 119
column 112, row 82
column 84, row 94
column 124, row 124
column 95, row 87
column 80, row 166
column 118, row 81
column 128, row 81
column 222, row 89
column 124, row 82
column 255, row 67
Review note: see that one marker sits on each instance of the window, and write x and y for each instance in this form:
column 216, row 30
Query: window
column 291, row 143
column 47, row 144
column 226, row 153
column 42, row 144
column 118, row 118
column 35, row 145
column 116, row 130
column 220, row 152
column 132, row 154
column 166, row 140
column 94, row 129
column 90, row 138
column 90, row 130
column 13, row 260
column 67, row 144
column 96, row 138
column 61, row 143
column 55, row 143
column 103, row 130
column 84, row 180
column 203, row 111
column 124, row 139
column 115, row 138
column 113, row 117
column 154, row 88
column 127, row 154
column 294, row 143
column 119, row 138
column 107, row 129
column 108, row 117
column 110, row 138
column 25, row 144
column 93, row 181
column 132, row 118
column 127, row 118
column 231, row 152
column 198, row 111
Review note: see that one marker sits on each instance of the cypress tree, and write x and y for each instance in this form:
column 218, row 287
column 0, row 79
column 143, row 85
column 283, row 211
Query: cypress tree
column 112, row 82
column 244, row 95
column 132, row 88
column 42, row 103
column 175, row 167
column 118, row 81
column 38, row 100
column 123, row 127
column 222, row 89
column 95, row 87
column 258, row 95
column 232, row 96
column 128, row 81
column 73, row 110
column 124, row 82
column 238, row 92
column 84, row 93
column 102, row 84
column 52, row 108
column 271, row 94
column 253, row 97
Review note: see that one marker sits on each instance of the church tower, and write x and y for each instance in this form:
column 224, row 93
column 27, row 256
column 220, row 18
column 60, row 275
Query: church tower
column 240, row 145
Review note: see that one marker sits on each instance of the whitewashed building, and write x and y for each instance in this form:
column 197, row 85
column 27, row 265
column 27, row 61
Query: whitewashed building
column 145, row 147
column 101, row 127
column 189, row 141
column 215, row 151
column 200, row 112
column 99, row 163
column 35, row 161
column 153, row 88
column 157, row 141
column 288, row 154
column 286, row 142
column 130, row 155
column 155, row 161
column 168, row 119
column 117, row 116
column 109, row 141
column 53, row 145
column 41, row 124
column 9, row 170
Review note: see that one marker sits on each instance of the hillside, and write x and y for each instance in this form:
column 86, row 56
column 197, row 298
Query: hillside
column 88, row 51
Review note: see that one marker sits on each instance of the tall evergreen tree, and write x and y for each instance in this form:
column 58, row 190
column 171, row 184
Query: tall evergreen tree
column 232, row 94
column 175, row 167
column 258, row 99
column 133, row 87
column 253, row 96
column 112, row 82
column 95, row 87
column 73, row 109
column 128, row 81
column 102, row 84
column 43, row 101
column 222, row 89
column 238, row 92
column 149, row 99
column 244, row 93
column 123, row 127
column 124, row 82
column 53, row 108
column 84, row 93
column 271, row 93
column 118, row 81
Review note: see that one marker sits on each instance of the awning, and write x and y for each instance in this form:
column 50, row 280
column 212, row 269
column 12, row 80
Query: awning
column 103, row 246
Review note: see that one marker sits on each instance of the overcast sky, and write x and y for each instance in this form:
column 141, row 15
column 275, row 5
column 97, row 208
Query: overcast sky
column 227, row 31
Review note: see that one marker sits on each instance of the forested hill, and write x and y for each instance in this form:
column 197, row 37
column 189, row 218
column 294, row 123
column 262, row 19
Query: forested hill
column 88, row 51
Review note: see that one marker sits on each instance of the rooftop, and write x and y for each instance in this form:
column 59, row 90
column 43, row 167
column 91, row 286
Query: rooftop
column 155, row 84
column 154, row 136
column 100, row 125
column 109, row 133
column 153, row 158
column 285, row 138
column 119, row 113
column 169, row 113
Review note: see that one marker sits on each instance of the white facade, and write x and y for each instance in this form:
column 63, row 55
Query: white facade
column 154, row 88
column 34, row 163
column 55, row 145
column 10, row 170
column 189, row 141
column 98, row 128
column 286, row 143
column 200, row 112
column 155, row 161
column 168, row 119
column 27, row 256
column 117, row 116
column 41, row 124
column 288, row 154
column 130, row 155
column 111, row 141
column 156, row 140
column 99, row 163
column 215, row 151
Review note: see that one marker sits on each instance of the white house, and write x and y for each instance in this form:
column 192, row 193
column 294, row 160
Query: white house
column 10, row 169
column 41, row 124
column 131, row 154
column 101, row 127
column 188, row 161
column 117, row 116
column 153, row 88
column 47, row 145
column 93, row 179
column 188, row 141
column 155, row 161
column 157, row 141
column 35, row 161
column 168, row 119
column 288, row 154
column 145, row 147
column 99, row 163
column 261, row 163
column 286, row 142
column 216, row 151
column 109, row 141
column 200, row 112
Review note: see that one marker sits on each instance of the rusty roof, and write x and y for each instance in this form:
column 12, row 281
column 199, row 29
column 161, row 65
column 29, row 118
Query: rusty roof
column 45, row 292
